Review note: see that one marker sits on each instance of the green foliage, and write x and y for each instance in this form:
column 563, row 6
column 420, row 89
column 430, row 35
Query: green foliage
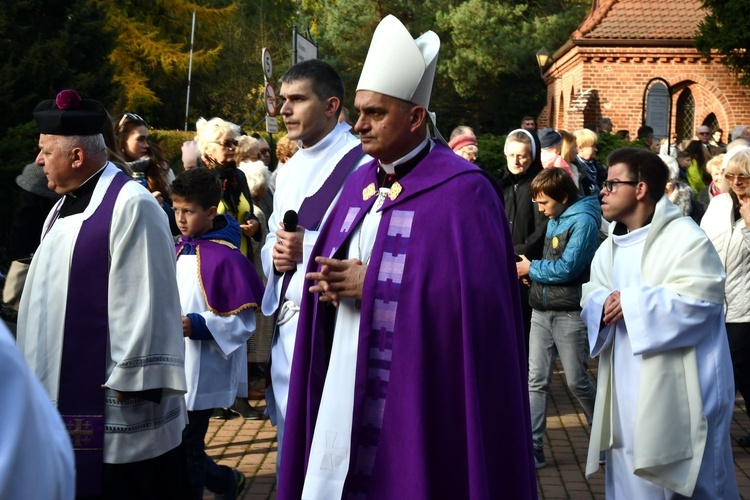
column 17, row 149
column 49, row 46
column 487, row 76
column 170, row 142
column 488, row 54
column 491, row 155
column 725, row 30
column 609, row 142
column 152, row 51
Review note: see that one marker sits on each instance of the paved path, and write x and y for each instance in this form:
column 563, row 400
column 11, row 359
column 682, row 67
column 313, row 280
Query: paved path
column 250, row 446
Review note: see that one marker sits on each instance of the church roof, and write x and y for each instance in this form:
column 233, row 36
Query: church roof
column 641, row 20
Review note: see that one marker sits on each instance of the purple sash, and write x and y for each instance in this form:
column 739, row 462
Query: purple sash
column 314, row 207
column 227, row 278
column 83, row 366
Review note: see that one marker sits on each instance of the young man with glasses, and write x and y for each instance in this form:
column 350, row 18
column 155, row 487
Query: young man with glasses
column 654, row 312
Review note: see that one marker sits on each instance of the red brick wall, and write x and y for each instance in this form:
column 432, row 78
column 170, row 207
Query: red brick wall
column 618, row 76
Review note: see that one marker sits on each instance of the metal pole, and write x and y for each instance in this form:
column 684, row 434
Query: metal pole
column 294, row 45
column 190, row 72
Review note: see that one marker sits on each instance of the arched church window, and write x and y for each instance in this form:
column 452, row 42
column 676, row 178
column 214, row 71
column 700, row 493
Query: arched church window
column 685, row 115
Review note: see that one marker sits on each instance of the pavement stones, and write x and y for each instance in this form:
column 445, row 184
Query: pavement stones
column 250, row 447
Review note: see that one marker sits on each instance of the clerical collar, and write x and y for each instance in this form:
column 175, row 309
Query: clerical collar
column 391, row 172
column 77, row 200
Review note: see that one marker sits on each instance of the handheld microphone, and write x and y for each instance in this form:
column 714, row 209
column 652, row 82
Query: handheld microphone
column 290, row 221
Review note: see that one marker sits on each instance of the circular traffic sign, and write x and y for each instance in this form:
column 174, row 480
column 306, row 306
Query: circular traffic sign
column 270, row 98
column 267, row 64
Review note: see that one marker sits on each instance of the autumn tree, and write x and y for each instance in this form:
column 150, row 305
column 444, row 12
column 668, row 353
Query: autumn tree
column 234, row 90
column 151, row 54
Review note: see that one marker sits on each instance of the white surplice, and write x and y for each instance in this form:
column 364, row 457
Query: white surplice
column 216, row 369
column 302, row 176
column 145, row 344
column 36, row 456
column 658, row 320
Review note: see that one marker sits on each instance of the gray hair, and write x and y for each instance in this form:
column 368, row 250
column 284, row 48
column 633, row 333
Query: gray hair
column 92, row 145
column 211, row 130
column 247, row 147
column 257, row 175
column 738, row 131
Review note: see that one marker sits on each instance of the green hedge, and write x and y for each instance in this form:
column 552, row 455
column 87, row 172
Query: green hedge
column 609, row 142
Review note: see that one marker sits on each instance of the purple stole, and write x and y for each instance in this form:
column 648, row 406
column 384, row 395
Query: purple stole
column 228, row 279
column 83, row 366
column 314, row 207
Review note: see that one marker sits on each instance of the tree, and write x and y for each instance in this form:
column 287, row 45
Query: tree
column 725, row 30
column 48, row 46
column 489, row 54
column 235, row 89
column 487, row 73
column 150, row 57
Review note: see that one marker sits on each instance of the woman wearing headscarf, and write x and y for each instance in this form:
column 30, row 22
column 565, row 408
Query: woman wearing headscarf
column 527, row 224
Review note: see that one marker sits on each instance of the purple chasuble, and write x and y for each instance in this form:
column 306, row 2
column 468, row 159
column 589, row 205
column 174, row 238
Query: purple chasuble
column 228, row 279
column 441, row 405
column 84, row 353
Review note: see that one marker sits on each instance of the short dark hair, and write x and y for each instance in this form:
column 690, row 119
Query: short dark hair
column 644, row 166
column 526, row 118
column 326, row 81
column 645, row 131
column 198, row 185
column 557, row 184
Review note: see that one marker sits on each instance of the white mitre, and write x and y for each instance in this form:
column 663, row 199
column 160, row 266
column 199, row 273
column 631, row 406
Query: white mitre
column 399, row 66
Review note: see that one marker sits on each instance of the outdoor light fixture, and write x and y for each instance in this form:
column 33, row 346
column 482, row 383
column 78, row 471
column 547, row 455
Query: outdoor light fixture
column 542, row 58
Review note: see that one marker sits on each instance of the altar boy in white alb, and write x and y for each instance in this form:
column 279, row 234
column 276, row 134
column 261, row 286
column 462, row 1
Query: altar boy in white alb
column 219, row 292
column 654, row 312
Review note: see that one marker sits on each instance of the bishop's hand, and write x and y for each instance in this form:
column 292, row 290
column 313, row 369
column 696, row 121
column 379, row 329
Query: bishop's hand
column 338, row 279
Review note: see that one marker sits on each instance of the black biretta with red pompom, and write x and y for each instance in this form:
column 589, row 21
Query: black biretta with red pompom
column 68, row 114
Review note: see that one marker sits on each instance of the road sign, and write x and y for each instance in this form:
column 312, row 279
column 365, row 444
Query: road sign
column 270, row 97
column 304, row 49
column 267, row 64
column 272, row 125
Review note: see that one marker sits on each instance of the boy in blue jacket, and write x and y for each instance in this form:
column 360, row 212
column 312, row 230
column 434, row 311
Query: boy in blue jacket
column 556, row 326
column 219, row 292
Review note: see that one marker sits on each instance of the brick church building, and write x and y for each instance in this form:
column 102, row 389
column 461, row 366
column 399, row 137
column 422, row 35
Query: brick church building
column 628, row 55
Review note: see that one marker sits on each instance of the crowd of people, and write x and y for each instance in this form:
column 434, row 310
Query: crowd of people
column 356, row 280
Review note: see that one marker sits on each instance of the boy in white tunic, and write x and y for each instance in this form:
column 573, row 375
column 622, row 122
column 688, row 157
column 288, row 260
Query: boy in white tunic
column 219, row 290
column 654, row 312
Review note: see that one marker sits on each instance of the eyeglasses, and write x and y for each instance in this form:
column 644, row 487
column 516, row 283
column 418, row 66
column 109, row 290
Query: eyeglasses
column 132, row 117
column 265, row 151
column 703, row 133
column 739, row 177
column 229, row 143
column 516, row 157
column 610, row 185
